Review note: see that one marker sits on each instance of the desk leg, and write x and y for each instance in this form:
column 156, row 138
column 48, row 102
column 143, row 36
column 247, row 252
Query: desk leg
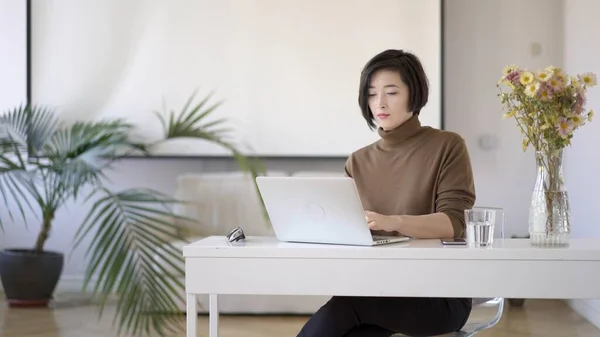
column 213, row 312
column 191, row 315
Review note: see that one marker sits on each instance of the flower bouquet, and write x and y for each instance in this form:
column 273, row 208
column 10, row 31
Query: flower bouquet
column 548, row 106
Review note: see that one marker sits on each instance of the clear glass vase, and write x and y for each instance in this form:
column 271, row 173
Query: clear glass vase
column 549, row 212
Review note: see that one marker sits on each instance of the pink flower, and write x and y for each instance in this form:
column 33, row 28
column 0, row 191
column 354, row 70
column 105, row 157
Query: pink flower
column 545, row 92
column 581, row 95
column 564, row 127
column 514, row 77
column 577, row 107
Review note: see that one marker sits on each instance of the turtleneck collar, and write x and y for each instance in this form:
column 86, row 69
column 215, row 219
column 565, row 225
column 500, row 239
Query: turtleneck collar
column 401, row 133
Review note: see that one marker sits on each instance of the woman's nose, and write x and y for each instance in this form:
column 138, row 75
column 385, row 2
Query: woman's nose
column 381, row 101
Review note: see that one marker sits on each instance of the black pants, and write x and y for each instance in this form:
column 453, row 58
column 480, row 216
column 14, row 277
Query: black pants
column 384, row 316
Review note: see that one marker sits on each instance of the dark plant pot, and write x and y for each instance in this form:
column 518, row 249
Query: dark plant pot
column 29, row 277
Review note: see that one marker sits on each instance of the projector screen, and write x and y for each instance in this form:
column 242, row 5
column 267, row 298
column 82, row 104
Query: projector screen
column 286, row 71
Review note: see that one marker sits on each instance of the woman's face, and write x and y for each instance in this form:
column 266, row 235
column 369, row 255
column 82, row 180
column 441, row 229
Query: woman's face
column 388, row 99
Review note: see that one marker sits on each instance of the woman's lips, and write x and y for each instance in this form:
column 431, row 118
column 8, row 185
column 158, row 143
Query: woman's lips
column 382, row 116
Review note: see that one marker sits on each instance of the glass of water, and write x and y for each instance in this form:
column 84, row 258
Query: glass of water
column 480, row 226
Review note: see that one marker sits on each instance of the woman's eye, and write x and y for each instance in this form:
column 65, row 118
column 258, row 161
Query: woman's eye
column 371, row 95
column 392, row 93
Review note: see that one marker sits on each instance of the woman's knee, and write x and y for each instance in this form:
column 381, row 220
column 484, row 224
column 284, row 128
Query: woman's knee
column 334, row 318
column 340, row 305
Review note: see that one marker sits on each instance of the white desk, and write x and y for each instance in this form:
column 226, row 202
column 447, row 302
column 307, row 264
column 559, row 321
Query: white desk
column 511, row 269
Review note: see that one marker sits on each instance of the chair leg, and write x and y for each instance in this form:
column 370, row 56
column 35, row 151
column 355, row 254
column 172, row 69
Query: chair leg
column 493, row 322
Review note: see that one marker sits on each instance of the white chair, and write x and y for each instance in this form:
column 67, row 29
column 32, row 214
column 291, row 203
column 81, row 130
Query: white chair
column 485, row 314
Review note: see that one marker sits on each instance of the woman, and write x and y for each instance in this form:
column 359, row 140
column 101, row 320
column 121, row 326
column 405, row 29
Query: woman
column 415, row 181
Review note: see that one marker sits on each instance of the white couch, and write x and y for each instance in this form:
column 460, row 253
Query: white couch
column 220, row 202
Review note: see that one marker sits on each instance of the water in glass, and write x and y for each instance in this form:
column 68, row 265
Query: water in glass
column 480, row 227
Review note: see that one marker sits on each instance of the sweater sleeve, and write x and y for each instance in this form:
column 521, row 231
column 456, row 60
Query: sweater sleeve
column 456, row 186
column 348, row 167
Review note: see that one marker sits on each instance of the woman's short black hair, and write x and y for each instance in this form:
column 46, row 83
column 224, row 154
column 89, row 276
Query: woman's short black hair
column 411, row 71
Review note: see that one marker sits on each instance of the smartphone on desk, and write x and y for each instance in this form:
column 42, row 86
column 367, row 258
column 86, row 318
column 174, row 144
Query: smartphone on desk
column 454, row 242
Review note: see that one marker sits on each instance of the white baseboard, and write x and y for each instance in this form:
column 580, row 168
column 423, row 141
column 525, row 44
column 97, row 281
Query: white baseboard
column 70, row 284
column 589, row 309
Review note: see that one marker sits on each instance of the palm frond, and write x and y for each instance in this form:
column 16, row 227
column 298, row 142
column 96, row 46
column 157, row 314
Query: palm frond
column 15, row 181
column 79, row 154
column 189, row 123
column 131, row 229
column 26, row 128
column 107, row 138
column 17, row 175
column 249, row 164
column 189, row 119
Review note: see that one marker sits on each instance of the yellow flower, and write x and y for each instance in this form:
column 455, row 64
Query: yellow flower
column 574, row 82
column 526, row 78
column 544, row 75
column 588, row 79
column 545, row 94
column 565, row 127
column 510, row 114
column 556, row 83
column 506, row 82
column 577, row 120
column 509, row 69
column 532, row 89
column 558, row 71
column 547, row 103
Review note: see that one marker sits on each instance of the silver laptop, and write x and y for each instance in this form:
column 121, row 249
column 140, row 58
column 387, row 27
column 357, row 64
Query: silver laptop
column 318, row 210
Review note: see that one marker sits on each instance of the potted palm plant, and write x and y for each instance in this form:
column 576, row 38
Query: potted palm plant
column 44, row 165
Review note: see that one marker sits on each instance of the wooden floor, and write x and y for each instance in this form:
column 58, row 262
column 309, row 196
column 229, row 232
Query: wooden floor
column 541, row 318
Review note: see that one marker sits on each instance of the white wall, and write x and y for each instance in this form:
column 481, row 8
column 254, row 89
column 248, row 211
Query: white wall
column 481, row 37
column 582, row 166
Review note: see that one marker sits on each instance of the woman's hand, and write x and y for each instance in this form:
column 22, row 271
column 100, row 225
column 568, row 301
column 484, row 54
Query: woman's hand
column 376, row 221
column 429, row 226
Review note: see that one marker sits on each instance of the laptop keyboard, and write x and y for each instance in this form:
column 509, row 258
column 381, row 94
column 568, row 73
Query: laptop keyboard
column 383, row 237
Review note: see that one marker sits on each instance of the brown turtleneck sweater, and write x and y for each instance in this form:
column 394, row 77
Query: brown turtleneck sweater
column 415, row 170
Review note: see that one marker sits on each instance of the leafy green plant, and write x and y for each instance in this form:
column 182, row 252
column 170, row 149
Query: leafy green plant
column 44, row 165
column 189, row 123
